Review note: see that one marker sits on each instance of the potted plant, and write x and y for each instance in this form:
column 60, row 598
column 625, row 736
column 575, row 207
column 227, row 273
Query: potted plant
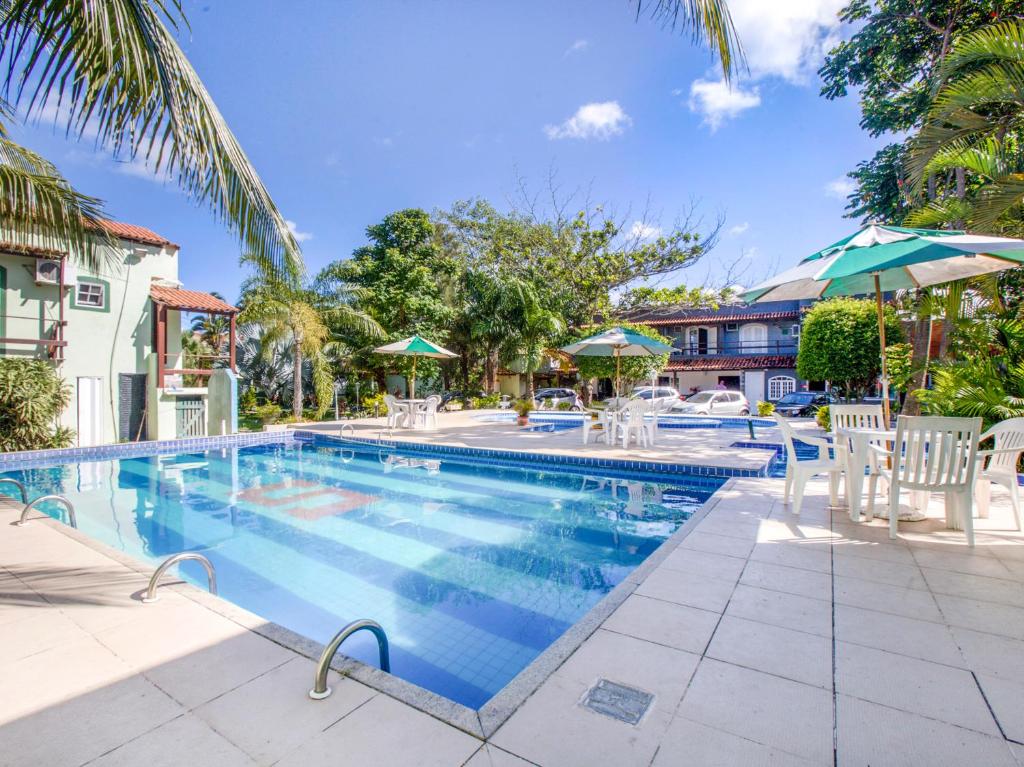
column 523, row 407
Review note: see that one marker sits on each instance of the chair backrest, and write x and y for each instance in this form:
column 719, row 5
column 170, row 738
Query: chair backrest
column 637, row 409
column 933, row 453
column 430, row 404
column 1009, row 435
column 391, row 404
column 788, row 437
column 856, row 417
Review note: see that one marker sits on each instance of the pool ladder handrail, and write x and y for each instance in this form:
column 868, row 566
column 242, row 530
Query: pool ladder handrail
column 341, row 430
column 56, row 498
column 20, row 485
column 320, row 689
column 211, row 573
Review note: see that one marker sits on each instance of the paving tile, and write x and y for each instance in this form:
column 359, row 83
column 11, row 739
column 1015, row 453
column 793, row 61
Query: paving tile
column 679, row 626
column 689, row 743
column 1005, row 699
column 717, row 544
column 909, row 684
column 793, row 554
column 989, row 617
column 880, row 550
column 870, row 734
column 795, row 655
column 973, row 564
column 975, row 587
column 582, row 737
column 185, row 740
column 285, row 717
column 780, row 609
column 384, row 731
column 709, row 565
column 911, row 603
column 39, row 630
column 744, row 529
column 785, row 715
column 997, row 656
column 491, row 756
column 86, row 725
column 792, row 580
column 686, row 589
column 895, row 633
column 892, row 573
column 205, row 673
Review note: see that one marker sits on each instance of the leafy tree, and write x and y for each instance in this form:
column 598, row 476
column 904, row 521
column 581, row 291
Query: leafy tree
column 32, row 397
column 644, row 297
column 632, row 369
column 290, row 313
column 213, row 329
column 839, row 342
column 116, row 71
column 892, row 61
column 533, row 328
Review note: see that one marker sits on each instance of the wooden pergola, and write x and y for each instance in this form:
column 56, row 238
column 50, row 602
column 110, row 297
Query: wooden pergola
column 165, row 298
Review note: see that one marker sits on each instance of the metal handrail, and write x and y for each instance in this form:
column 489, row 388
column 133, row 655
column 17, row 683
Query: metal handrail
column 341, row 430
column 20, row 486
column 320, row 689
column 59, row 499
column 211, row 574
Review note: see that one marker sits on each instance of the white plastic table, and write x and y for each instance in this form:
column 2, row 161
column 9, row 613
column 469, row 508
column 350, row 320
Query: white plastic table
column 409, row 405
column 857, row 461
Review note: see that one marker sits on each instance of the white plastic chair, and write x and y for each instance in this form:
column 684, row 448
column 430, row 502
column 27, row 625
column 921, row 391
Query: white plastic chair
column 936, row 455
column 398, row 414
column 853, row 417
column 633, row 424
column 999, row 465
column 606, row 419
column 427, row 411
column 799, row 472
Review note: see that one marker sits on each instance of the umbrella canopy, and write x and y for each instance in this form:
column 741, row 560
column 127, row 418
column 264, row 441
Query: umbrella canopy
column 415, row 346
column 878, row 259
column 618, row 343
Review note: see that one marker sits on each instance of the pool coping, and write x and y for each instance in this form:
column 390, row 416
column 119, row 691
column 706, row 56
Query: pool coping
column 482, row 722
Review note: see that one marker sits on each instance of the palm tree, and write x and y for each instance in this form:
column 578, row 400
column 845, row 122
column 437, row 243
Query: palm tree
column 290, row 313
column 112, row 70
column 708, row 21
column 213, row 329
column 974, row 123
column 533, row 330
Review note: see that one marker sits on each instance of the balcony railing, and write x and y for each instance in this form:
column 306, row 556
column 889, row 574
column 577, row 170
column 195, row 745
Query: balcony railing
column 736, row 349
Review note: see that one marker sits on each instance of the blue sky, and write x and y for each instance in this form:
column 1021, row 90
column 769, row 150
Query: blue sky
column 350, row 110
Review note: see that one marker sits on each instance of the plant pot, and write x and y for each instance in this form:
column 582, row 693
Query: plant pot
column 523, row 420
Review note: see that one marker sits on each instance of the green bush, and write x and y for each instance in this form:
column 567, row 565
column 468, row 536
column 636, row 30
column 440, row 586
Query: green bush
column 32, row 397
column 563, row 406
column 823, row 418
column 374, row 403
column 268, row 413
column 488, row 402
column 248, row 402
column 765, row 408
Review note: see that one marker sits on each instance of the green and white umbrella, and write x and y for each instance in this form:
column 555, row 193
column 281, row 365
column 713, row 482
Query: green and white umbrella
column 618, row 343
column 414, row 347
column 878, row 259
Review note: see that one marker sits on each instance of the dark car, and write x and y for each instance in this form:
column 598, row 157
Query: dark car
column 803, row 403
column 458, row 396
column 549, row 399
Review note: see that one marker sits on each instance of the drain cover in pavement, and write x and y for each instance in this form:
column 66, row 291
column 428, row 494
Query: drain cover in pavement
column 627, row 704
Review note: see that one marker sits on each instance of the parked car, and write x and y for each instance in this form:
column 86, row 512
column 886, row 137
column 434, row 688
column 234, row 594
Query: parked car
column 803, row 403
column 662, row 396
column 715, row 402
column 457, row 396
column 552, row 398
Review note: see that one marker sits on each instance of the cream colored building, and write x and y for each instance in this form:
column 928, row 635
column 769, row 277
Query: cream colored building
column 101, row 327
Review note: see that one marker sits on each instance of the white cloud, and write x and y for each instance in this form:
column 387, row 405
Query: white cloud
column 752, row 252
column 677, row 91
column 840, row 188
column 577, row 47
column 597, row 120
column 294, row 229
column 717, row 101
column 786, row 39
column 644, row 231
column 738, row 229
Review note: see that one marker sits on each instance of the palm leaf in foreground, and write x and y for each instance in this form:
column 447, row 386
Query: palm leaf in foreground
column 710, row 23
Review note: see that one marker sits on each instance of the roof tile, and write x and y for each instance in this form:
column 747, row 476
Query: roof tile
column 190, row 300
column 723, row 362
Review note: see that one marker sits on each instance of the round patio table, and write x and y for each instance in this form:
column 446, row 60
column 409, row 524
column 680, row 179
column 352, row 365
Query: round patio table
column 857, row 461
column 410, row 410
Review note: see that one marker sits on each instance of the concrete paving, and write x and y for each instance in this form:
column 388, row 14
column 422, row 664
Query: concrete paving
column 764, row 638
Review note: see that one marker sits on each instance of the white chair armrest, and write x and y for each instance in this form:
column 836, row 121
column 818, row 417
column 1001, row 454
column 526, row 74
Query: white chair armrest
column 822, row 444
column 879, row 450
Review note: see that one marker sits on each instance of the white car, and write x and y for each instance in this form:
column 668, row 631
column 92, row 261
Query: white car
column 661, row 397
column 715, row 402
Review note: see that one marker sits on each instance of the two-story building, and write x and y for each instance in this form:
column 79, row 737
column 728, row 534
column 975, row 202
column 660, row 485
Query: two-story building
column 112, row 330
column 749, row 348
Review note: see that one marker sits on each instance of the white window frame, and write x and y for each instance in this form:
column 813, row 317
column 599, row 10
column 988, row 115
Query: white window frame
column 780, row 386
column 759, row 344
column 89, row 288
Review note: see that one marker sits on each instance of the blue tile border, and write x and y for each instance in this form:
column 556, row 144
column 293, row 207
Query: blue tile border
column 39, row 458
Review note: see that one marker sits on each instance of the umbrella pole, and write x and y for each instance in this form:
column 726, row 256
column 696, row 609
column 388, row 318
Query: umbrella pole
column 412, row 381
column 618, row 375
column 881, row 340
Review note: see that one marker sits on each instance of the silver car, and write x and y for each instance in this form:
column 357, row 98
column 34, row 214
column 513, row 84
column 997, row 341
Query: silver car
column 662, row 397
column 715, row 402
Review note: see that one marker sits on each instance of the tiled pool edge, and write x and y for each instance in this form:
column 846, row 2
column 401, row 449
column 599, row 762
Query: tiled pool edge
column 480, row 724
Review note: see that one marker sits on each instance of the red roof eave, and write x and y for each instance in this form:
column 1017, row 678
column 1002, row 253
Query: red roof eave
column 190, row 300
column 733, row 363
column 714, row 319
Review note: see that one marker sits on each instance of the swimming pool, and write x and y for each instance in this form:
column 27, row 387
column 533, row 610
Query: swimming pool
column 473, row 570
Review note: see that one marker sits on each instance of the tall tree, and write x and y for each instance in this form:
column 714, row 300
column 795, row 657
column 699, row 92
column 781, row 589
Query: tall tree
column 114, row 70
column 533, row 329
column 892, row 61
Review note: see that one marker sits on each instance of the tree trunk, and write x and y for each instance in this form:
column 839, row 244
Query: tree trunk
column 464, row 370
column 921, row 353
column 529, row 384
column 297, row 382
column 489, row 377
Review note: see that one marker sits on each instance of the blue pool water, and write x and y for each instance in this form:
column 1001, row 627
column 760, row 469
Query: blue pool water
column 472, row 570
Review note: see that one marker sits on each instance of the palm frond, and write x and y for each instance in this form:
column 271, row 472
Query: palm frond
column 709, row 23
column 114, row 70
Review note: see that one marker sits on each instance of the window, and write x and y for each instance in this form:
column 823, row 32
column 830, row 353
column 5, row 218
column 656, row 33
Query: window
column 780, row 386
column 754, row 338
column 91, row 295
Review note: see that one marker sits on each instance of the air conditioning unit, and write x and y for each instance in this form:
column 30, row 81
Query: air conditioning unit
column 47, row 271
column 730, row 326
